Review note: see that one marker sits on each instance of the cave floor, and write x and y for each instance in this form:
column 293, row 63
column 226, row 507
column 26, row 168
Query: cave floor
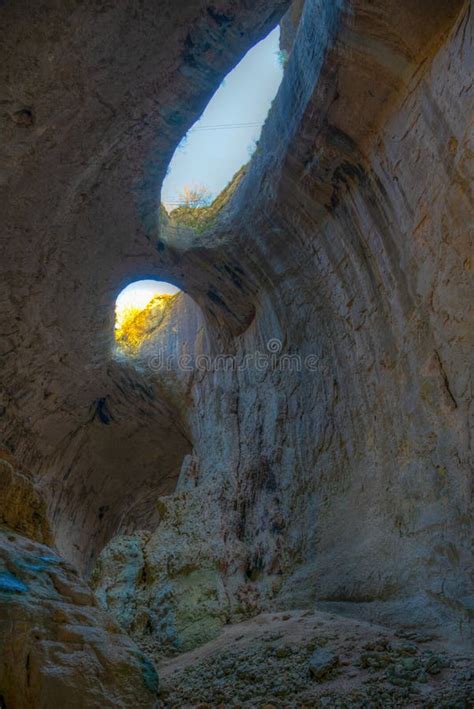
column 315, row 659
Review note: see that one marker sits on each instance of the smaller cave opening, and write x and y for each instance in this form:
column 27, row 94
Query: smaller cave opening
column 138, row 309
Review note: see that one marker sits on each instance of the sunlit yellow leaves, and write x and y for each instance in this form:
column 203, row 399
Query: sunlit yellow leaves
column 134, row 325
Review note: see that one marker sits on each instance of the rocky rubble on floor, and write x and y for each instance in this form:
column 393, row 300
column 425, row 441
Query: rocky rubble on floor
column 316, row 660
column 321, row 663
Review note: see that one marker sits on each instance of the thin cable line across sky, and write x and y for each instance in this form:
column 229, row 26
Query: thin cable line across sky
column 222, row 140
column 225, row 126
column 221, row 126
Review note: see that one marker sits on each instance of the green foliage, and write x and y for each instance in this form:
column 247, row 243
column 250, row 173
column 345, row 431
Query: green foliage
column 282, row 56
column 200, row 217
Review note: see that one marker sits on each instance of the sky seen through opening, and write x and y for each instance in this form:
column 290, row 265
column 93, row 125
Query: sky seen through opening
column 223, row 139
column 217, row 146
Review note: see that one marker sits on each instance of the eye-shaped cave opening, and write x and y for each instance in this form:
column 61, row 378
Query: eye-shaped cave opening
column 139, row 309
column 212, row 157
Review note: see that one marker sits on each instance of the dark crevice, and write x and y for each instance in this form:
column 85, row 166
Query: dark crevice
column 445, row 380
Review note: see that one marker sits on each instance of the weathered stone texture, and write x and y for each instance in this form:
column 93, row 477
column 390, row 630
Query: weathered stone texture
column 23, row 508
column 349, row 482
column 110, row 91
column 58, row 647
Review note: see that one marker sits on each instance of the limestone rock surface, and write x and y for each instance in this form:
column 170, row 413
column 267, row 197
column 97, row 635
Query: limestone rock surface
column 177, row 587
column 58, row 648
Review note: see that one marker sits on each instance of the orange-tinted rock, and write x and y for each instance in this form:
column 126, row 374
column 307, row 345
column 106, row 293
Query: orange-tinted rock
column 22, row 507
column 57, row 647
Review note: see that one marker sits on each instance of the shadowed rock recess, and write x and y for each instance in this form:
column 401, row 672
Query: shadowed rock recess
column 269, row 502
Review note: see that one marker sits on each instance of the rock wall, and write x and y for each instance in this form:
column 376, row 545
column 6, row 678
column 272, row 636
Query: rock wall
column 96, row 101
column 340, row 472
column 58, row 646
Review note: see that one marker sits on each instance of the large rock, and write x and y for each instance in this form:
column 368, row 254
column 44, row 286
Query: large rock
column 177, row 587
column 321, row 663
column 58, row 648
column 57, row 645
